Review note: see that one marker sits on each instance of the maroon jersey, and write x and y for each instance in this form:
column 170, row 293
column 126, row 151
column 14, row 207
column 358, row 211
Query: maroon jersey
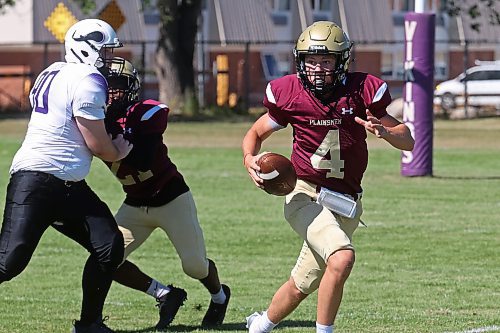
column 147, row 168
column 329, row 147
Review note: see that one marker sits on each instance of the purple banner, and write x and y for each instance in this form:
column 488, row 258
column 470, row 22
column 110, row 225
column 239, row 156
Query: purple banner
column 418, row 92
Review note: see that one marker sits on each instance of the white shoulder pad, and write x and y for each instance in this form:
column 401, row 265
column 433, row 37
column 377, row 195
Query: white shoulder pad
column 90, row 96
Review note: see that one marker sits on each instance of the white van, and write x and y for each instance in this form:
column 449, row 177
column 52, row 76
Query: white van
column 483, row 88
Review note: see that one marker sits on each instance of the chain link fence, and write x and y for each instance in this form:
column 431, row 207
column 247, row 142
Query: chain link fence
column 233, row 74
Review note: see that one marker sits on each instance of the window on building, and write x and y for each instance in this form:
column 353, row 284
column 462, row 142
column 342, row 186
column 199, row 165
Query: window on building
column 280, row 5
column 321, row 17
column 408, row 5
column 274, row 65
column 279, row 19
column 440, row 67
column 321, row 10
column 321, row 5
column 392, row 65
column 151, row 15
column 280, row 11
column 387, row 70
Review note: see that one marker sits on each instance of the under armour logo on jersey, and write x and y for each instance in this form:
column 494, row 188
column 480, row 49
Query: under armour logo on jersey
column 127, row 130
column 345, row 111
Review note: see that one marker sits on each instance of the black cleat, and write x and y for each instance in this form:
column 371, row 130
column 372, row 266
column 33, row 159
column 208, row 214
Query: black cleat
column 216, row 312
column 169, row 306
column 96, row 327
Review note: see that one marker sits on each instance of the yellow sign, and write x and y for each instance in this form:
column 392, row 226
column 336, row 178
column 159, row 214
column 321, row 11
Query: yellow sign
column 113, row 15
column 59, row 21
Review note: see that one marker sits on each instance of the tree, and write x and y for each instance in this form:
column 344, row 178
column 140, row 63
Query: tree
column 5, row 3
column 457, row 7
column 174, row 52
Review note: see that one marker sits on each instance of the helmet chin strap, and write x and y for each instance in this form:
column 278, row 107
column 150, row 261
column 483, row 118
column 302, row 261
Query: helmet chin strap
column 316, row 82
column 319, row 86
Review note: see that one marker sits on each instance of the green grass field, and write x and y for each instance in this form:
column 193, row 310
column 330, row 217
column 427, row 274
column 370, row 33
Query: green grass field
column 429, row 260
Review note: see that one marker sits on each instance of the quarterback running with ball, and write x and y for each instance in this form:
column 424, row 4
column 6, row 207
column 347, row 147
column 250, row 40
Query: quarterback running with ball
column 330, row 110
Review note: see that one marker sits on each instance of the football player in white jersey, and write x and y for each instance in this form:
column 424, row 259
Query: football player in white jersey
column 47, row 185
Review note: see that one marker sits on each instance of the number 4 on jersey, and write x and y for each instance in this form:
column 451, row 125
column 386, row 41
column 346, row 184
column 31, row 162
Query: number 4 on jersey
column 331, row 143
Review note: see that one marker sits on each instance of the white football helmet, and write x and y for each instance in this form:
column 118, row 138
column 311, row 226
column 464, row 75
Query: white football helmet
column 88, row 41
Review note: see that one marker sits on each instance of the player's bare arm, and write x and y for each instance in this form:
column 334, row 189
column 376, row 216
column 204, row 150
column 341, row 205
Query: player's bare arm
column 99, row 142
column 252, row 143
column 388, row 128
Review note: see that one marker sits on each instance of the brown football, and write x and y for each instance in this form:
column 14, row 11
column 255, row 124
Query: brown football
column 278, row 174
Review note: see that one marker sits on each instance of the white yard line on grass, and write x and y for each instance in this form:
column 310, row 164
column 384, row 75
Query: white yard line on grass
column 480, row 330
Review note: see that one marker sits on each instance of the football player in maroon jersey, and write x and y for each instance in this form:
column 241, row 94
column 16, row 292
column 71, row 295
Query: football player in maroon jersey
column 330, row 110
column 156, row 197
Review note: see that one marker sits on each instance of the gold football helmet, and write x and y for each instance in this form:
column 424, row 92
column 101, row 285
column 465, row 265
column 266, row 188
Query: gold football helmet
column 323, row 37
column 123, row 82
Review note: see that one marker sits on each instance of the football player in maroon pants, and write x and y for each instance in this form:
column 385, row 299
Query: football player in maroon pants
column 330, row 110
column 156, row 197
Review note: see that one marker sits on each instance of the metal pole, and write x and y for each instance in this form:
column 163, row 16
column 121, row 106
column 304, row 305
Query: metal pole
column 466, row 64
column 419, row 6
column 247, row 75
column 45, row 55
column 203, row 57
column 142, row 73
column 200, row 73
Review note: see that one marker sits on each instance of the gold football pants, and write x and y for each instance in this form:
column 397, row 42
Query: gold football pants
column 323, row 231
column 179, row 220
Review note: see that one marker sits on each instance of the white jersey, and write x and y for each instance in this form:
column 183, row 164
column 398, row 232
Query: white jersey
column 53, row 142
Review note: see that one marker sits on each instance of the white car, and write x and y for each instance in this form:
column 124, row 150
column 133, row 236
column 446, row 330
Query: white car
column 483, row 88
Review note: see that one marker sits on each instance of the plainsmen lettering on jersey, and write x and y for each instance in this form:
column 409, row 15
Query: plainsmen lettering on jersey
column 143, row 126
column 340, row 168
column 53, row 143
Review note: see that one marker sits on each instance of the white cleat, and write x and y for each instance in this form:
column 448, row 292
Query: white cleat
column 250, row 320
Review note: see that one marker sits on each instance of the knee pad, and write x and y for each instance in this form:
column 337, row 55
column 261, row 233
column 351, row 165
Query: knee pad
column 307, row 283
column 196, row 268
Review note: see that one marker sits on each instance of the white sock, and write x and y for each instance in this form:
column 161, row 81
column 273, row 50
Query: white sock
column 324, row 328
column 157, row 290
column 264, row 324
column 219, row 298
